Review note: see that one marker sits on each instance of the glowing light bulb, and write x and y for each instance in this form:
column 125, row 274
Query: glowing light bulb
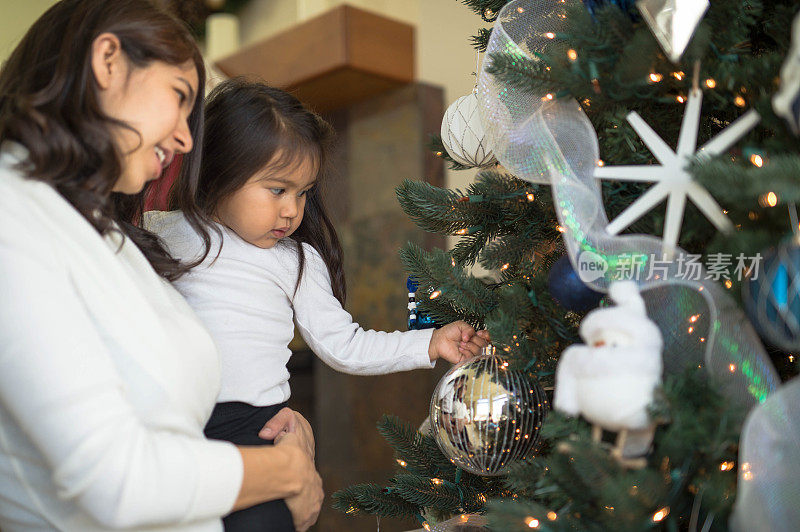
column 434, row 295
column 757, row 160
column 710, row 83
column 678, row 75
column 552, row 516
column 532, row 522
column 772, row 199
column 530, row 196
column 655, row 77
column 726, row 466
column 732, row 367
column 739, row 101
column 572, row 54
column 661, row 514
column 504, row 267
column 550, row 35
column 680, row 99
column 600, row 162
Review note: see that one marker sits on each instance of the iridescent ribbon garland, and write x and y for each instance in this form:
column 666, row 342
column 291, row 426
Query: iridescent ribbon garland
column 551, row 141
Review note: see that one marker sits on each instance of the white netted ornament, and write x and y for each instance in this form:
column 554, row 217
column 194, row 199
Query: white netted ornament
column 463, row 134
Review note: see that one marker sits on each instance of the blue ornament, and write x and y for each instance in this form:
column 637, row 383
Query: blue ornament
column 625, row 5
column 416, row 319
column 568, row 289
column 771, row 296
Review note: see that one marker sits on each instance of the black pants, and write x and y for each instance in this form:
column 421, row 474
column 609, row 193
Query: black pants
column 240, row 423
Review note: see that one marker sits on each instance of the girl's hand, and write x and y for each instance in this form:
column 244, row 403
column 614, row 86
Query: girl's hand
column 457, row 341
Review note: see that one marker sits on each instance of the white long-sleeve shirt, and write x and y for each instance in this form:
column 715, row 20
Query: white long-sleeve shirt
column 246, row 297
column 106, row 380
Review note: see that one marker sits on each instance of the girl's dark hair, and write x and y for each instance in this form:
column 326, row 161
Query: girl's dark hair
column 49, row 104
column 250, row 125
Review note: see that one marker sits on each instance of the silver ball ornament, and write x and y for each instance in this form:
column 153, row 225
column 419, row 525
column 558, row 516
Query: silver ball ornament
column 485, row 417
column 463, row 134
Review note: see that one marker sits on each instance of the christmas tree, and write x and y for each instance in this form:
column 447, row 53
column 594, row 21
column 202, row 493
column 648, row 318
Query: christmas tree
column 560, row 83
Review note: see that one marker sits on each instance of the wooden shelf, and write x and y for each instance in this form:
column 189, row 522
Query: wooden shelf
column 336, row 59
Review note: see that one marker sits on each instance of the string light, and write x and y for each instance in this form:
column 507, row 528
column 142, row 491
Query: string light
column 436, row 481
column 462, row 231
column 732, row 367
column 560, row 229
column 726, row 466
column 728, row 284
column 401, row 462
column 655, row 77
column 572, row 54
column 757, row 160
column 771, row 199
column 739, row 101
column 532, row 522
column 438, row 154
column 550, row 35
column 680, row 99
column 530, row 196
column 552, row 515
column 791, row 358
column 504, row 267
column 693, row 319
column 434, row 295
column 600, row 162
column 710, row 83
column 547, row 97
column 678, row 75
column 426, row 526
column 661, row 514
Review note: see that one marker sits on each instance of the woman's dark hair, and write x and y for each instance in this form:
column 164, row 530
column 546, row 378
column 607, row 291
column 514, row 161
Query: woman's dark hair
column 250, row 125
column 49, row 104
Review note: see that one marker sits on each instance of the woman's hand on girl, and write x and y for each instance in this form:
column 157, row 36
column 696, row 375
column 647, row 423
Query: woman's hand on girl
column 306, row 503
column 288, row 421
column 457, row 341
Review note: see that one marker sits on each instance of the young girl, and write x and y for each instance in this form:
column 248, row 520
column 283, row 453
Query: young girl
column 274, row 258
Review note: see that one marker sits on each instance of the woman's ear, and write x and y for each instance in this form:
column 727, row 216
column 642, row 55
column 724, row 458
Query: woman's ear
column 108, row 61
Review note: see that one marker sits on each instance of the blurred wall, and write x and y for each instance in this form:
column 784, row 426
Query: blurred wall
column 444, row 57
column 16, row 16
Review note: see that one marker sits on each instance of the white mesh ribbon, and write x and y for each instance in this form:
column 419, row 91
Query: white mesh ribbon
column 769, row 465
column 550, row 140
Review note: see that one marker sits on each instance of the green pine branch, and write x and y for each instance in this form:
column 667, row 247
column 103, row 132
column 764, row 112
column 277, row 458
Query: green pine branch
column 371, row 499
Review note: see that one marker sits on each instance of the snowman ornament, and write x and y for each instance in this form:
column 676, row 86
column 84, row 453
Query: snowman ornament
column 610, row 380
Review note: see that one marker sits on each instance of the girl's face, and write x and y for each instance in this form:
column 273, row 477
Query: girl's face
column 270, row 205
column 155, row 100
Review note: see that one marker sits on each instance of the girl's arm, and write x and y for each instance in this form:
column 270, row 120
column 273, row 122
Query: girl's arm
column 345, row 346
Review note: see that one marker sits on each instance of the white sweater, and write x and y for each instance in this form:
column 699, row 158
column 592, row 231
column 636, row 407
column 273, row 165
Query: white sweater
column 106, row 380
column 247, row 299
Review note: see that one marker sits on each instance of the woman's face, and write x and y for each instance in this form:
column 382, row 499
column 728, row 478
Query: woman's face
column 155, row 100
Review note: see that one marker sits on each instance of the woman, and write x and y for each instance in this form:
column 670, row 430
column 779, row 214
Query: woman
column 106, row 376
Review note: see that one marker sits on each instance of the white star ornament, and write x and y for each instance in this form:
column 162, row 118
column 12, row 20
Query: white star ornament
column 672, row 179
